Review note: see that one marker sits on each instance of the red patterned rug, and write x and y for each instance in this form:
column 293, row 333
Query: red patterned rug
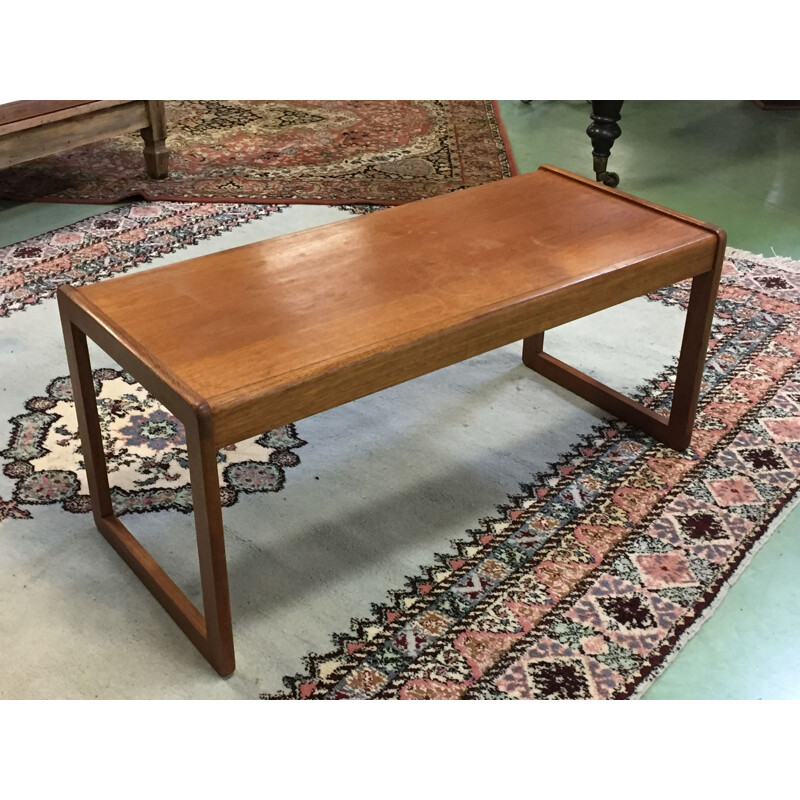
column 299, row 151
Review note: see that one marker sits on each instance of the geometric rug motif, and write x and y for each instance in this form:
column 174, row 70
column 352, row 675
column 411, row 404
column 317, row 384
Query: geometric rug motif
column 110, row 244
column 589, row 580
column 288, row 151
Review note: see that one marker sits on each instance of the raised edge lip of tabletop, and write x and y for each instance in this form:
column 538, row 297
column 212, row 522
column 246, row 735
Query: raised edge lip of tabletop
column 718, row 231
column 74, row 298
column 202, row 407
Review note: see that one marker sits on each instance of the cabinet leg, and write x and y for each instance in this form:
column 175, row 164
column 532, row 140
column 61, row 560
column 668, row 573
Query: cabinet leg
column 156, row 155
column 603, row 131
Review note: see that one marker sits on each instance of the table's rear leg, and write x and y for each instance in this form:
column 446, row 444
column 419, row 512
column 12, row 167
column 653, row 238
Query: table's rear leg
column 532, row 347
column 675, row 431
column 213, row 636
column 88, row 421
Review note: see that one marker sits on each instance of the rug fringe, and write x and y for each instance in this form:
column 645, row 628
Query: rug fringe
column 781, row 262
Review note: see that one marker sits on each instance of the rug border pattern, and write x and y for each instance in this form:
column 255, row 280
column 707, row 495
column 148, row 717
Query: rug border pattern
column 667, row 652
column 667, row 645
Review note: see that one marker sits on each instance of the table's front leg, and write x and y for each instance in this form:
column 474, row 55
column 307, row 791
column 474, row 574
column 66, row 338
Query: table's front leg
column 210, row 544
column 212, row 634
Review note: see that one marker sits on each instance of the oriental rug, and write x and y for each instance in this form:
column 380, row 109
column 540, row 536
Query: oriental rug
column 592, row 576
column 300, row 151
column 581, row 579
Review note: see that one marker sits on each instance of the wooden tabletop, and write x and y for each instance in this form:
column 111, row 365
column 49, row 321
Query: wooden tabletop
column 24, row 114
column 284, row 324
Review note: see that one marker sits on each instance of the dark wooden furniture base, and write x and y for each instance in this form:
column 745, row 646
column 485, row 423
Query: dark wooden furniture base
column 246, row 340
column 604, row 131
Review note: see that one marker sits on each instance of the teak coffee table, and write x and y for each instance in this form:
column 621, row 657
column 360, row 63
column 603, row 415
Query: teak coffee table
column 249, row 339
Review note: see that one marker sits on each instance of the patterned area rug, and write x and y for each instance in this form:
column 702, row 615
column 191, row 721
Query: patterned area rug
column 145, row 445
column 584, row 585
column 304, row 151
column 593, row 576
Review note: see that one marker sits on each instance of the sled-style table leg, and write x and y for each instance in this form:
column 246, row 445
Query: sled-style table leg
column 675, row 431
column 212, row 634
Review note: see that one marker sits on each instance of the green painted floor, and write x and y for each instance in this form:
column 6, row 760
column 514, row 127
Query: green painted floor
column 734, row 165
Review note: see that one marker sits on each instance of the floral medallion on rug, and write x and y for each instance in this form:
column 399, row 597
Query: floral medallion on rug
column 591, row 578
column 145, row 450
column 300, row 151
column 145, row 446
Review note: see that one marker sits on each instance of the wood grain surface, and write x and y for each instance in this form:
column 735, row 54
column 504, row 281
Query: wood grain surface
column 274, row 331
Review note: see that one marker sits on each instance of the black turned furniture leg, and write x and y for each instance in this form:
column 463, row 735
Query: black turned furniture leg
column 603, row 131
